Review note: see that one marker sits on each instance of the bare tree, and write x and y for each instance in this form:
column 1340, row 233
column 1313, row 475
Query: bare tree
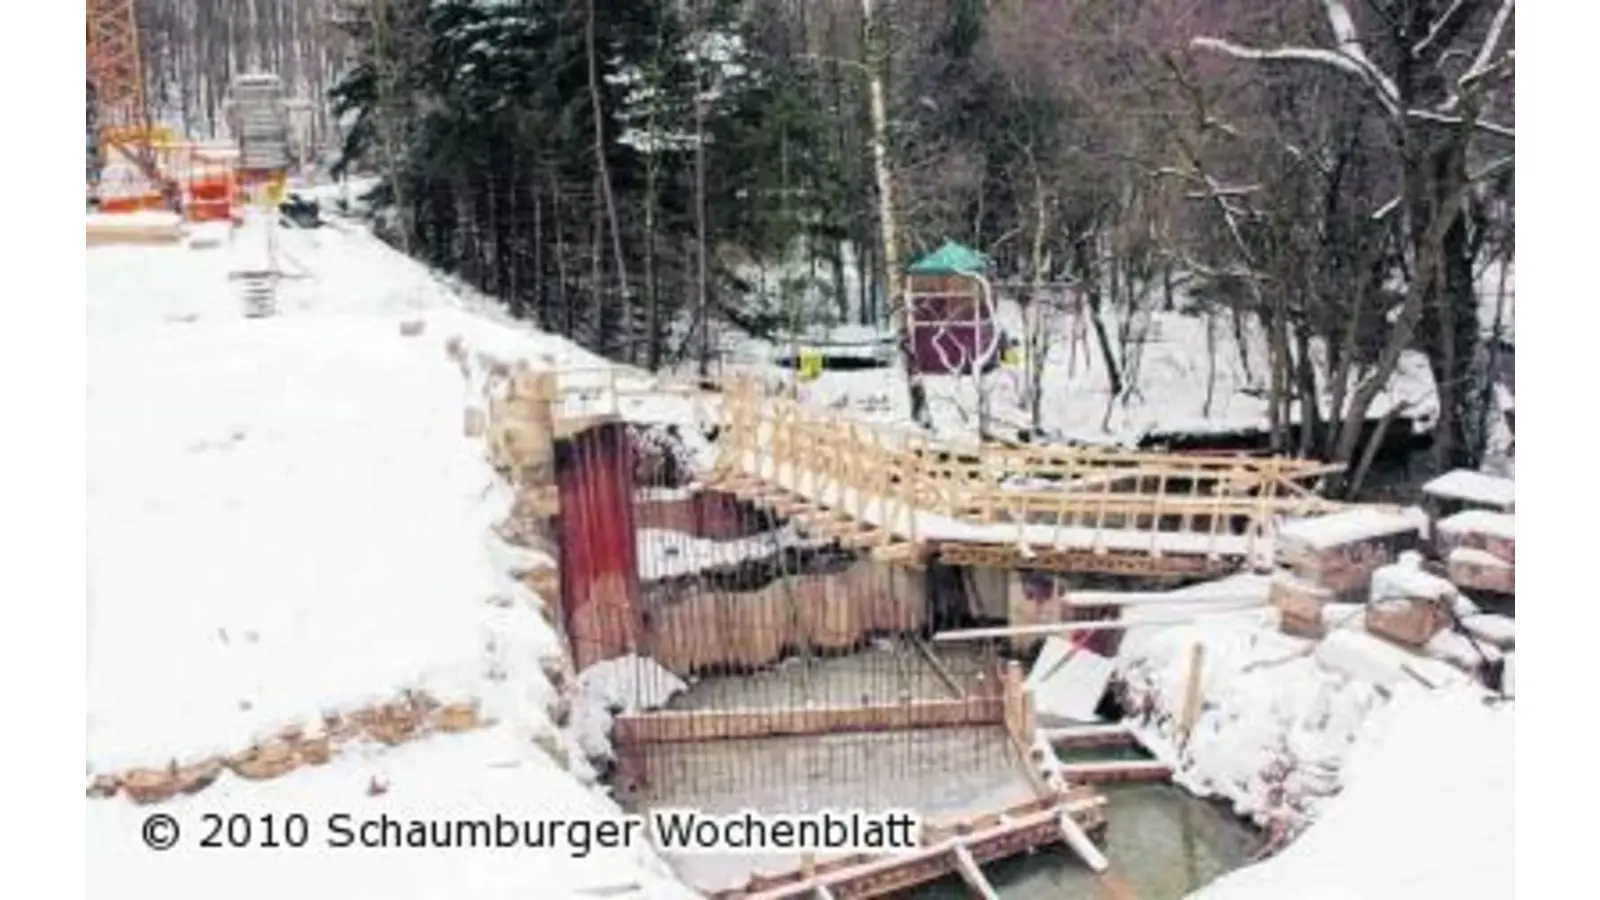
column 1435, row 83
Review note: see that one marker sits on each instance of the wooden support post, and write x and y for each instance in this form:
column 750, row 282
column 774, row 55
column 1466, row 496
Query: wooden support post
column 972, row 874
column 1192, row 691
column 1017, row 709
column 938, row 668
column 1082, row 844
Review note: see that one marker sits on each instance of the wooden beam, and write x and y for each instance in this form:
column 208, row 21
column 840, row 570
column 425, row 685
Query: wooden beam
column 972, row 874
column 1080, row 842
column 1171, row 564
column 938, row 667
column 888, row 874
column 898, row 551
column 1193, row 682
column 1116, row 735
column 1153, row 598
column 704, row 725
column 1005, row 631
column 1115, row 770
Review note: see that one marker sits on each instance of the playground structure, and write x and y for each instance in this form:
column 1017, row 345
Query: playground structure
column 951, row 306
column 136, row 165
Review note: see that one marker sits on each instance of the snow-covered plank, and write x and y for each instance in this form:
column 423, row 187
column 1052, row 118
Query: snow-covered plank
column 1347, row 527
column 1474, row 521
column 1360, row 655
column 1071, row 691
column 1492, row 628
column 1481, row 570
column 1405, row 580
column 1493, row 532
column 1477, row 488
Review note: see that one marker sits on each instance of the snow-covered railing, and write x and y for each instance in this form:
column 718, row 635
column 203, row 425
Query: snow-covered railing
column 904, row 486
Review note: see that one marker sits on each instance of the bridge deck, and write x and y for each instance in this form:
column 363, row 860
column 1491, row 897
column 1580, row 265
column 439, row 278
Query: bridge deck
column 904, row 493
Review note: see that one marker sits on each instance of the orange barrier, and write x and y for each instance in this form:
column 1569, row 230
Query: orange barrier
column 210, row 199
column 133, row 203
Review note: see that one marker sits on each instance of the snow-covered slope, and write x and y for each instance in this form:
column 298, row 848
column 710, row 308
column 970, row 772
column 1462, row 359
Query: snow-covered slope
column 286, row 520
column 1427, row 811
column 1389, row 790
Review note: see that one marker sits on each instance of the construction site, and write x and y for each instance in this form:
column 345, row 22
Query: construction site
column 857, row 610
column 775, row 606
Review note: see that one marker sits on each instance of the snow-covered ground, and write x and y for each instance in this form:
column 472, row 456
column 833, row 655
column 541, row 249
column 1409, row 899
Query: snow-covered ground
column 1394, row 790
column 1174, row 378
column 285, row 520
column 1427, row 810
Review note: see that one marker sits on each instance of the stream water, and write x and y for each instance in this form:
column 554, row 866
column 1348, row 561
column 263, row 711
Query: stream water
column 1164, row 842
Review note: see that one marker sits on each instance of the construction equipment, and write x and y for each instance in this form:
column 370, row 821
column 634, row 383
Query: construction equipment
column 119, row 114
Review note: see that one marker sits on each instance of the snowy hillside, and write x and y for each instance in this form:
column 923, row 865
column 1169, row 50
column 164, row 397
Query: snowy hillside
column 288, row 528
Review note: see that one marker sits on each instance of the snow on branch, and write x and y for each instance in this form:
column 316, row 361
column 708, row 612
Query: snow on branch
column 1348, row 41
column 1483, row 62
column 1380, row 83
column 1495, row 128
column 1447, row 22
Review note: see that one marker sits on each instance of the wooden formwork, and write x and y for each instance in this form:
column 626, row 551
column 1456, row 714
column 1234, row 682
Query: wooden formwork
column 948, row 848
column 634, row 729
column 1011, row 556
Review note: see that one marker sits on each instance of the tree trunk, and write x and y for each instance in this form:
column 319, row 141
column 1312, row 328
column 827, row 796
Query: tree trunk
column 604, row 174
column 889, row 238
column 702, row 287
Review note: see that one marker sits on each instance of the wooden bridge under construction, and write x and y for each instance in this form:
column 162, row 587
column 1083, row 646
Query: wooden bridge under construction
column 908, row 497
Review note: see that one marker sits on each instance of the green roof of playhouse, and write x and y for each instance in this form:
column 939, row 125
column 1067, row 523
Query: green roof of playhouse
column 950, row 259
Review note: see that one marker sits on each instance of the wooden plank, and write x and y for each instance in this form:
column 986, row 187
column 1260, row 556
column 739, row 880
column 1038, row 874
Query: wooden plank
column 1088, row 736
column 1078, row 839
column 972, row 874
column 1116, row 770
column 1005, row 631
column 1171, row 564
column 887, row 875
column 1191, row 691
column 938, row 667
column 704, row 725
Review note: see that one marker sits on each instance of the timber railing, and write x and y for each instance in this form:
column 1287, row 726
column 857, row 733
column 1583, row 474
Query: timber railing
column 906, row 486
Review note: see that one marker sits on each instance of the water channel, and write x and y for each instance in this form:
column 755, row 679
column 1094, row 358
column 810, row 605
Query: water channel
column 1164, row 842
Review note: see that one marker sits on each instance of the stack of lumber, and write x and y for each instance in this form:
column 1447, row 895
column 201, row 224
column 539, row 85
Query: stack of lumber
column 1465, row 489
column 1409, row 606
column 1339, row 552
column 1480, row 550
column 150, row 227
column 1300, row 603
